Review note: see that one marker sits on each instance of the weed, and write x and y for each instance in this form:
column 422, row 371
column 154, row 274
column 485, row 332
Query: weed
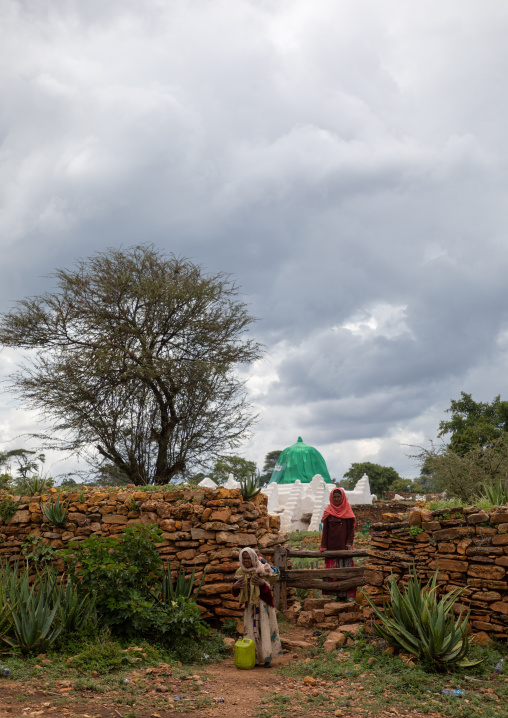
column 8, row 508
column 414, row 531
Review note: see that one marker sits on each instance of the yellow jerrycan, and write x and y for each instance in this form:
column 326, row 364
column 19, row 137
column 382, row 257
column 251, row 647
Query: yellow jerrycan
column 245, row 653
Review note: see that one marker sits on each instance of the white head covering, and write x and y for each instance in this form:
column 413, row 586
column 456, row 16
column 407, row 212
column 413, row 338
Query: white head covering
column 253, row 557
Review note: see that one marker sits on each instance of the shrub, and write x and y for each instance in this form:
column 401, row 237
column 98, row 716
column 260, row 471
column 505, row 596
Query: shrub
column 34, row 485
column 8, row 508
column 35, row 552
column 133, row 595
column 417, row 622
column 122, row 570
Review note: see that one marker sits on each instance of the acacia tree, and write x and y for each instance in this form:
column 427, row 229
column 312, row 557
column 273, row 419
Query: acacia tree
column 133, row 361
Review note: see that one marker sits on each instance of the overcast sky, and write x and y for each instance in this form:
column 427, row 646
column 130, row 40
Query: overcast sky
column 345, row 161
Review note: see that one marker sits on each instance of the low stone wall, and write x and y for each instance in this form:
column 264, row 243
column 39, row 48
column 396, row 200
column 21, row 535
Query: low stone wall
column 201, row 528
column 468, row 547
column 373, row 512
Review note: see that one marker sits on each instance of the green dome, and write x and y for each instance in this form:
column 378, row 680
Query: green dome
column 299, row 461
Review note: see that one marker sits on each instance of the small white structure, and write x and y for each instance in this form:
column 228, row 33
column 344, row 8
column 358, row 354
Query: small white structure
column 300, row 506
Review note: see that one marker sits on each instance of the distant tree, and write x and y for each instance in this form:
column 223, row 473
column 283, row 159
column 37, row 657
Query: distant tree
column 69, row 482
column 380, row 477
column 463, row 476
column 29, row 462
column 132, row 362
column 403, row 485
column 269, row 466
column 474, row 424
column 236, row 465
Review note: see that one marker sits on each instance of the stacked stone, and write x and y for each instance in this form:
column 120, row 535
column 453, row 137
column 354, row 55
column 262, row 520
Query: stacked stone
column 201, row 529
column 468, row 547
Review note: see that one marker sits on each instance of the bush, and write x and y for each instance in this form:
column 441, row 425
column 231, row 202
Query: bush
column 417, row 622
column 132, row 595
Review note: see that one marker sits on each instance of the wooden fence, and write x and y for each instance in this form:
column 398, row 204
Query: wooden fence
column 344, row 579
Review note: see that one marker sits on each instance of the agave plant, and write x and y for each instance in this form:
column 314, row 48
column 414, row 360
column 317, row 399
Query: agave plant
column 75, row 610
column 496, row 494
column 183, row 587
column 423, row 625
column 35, row 485
column 32, row 616
column 249, row 487
column 56, row 513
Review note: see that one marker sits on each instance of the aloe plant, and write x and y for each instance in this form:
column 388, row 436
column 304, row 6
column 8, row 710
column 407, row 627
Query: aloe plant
column 183, row 587
column 32, row 616
column 418, row 622
column 496, row 494
column 56, row 513
column 249, row 487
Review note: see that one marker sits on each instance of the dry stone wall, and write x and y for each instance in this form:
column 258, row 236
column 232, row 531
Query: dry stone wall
column 467, row 546
column 201, row 528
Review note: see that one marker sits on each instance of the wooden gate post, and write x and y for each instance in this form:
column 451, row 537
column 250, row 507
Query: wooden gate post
column 280, row 591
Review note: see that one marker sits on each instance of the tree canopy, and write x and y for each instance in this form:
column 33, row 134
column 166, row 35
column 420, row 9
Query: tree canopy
column 240, row 468
column 269, row 465
column 474, row 424
column 131, row 360
column 380, row 477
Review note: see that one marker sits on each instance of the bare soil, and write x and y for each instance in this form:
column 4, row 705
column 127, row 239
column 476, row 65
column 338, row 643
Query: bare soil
column 163, row 691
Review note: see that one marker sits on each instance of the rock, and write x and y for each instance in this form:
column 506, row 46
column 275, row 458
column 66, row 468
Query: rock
column 452, row 533
column 333, row 609
column 309, row 681
column 351, row 628
column 305, row 619
column 481, row 639
column 197, row 534
column 446, row 564
column 20, row 517
column 415, row 518
column 310, row 604
column 296, row 645
column 114, row 519
column 390, row 518
column 487, row 572
column 478, row 518
column 500, row 607
column 334, row 639
column 431, row 525
column 500, row 540
column 499, row 517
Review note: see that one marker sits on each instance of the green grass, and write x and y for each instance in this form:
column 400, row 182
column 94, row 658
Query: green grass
column 364, row 677
column 482, row 503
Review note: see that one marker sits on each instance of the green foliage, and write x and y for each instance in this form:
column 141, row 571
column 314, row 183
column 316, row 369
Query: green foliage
column 380, row 477
column 123, row 571
column 35, row 551
column 8, row 508
column 496, row 493
column 474, row 424
column 33, row 616
column 31, row 485
column 133, row 505
column 133, row 596
column 414, row 531
column 182, row 588
column 229, row 627
column 249, row 487
column 133, row 355
column 56, row 513
column 416, row 621
column 465, row 476
column 5, row 482
column 236, row 465
column 269, row 465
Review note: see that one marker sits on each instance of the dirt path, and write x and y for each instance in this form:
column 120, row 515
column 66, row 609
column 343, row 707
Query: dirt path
column 162, row 691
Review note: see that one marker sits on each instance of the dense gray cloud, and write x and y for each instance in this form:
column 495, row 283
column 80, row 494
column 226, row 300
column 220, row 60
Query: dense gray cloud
column 345, row 162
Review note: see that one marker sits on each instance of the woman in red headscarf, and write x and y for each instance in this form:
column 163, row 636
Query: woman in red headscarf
column 338, row 532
